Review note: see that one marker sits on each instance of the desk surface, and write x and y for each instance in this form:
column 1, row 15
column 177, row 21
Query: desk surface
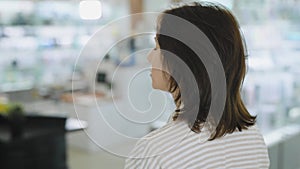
column 73, row 124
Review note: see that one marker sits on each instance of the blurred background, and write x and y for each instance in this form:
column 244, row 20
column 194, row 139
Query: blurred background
column 40, row 42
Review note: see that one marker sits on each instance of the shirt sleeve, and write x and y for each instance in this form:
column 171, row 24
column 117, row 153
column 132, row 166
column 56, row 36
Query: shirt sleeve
column 138, row 157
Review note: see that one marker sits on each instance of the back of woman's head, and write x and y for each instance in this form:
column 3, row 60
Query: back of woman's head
column 222, row 30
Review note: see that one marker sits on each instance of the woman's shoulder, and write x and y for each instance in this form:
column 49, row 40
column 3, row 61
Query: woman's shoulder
column 169, row 134
column 151, row 141
column 169, row 128
column 251, row 130
column 175, row 132
column 250, row 135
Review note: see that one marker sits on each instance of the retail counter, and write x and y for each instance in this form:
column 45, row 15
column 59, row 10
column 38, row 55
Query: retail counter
column 40, row 144
column 284, row 149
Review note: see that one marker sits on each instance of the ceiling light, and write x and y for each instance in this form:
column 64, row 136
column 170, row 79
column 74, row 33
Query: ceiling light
column 90, row 9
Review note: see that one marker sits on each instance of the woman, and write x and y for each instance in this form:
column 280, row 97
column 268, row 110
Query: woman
column 197, row 136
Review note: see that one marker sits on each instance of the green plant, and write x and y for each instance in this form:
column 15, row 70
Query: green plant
column 11, row 109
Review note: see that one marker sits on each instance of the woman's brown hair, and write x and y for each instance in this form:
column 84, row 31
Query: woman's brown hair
column 222, row 29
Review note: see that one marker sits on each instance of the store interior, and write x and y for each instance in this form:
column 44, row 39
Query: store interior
column 81, row 66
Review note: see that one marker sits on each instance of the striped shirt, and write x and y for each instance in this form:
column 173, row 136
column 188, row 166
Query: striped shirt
column 175, row 146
